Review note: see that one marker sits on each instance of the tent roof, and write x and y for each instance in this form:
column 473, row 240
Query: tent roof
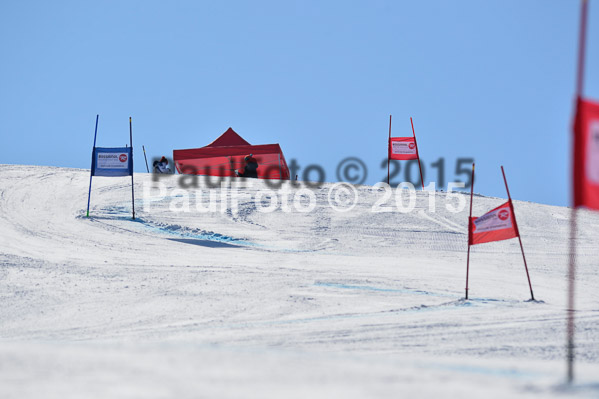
column 228, row 139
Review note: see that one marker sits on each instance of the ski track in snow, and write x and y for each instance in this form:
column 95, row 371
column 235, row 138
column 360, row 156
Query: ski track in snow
column 181, row 304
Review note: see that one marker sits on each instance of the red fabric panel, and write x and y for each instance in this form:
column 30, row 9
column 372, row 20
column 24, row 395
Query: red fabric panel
column 222, row 161
column 402, row 148
column 586, row 154
column 496, row 225
column 228, row 139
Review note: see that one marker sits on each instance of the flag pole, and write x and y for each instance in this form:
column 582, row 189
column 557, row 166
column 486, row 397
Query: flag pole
column 91, row 171
column 582, row 36
column 417, row 154
column 582, row 39
column 469, row 231
column 146, row 158
column 132, row 186
column 571, row 287
column 389, row 150
column 532, row 296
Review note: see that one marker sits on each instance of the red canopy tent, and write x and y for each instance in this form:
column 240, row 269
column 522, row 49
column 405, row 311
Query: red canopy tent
column 226, row 153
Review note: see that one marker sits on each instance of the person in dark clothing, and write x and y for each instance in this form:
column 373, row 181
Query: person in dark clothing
column 161, row 166
column 250, row 169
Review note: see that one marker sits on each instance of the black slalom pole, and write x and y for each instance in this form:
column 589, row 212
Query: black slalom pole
column 146, row 158
column 132, row 186
column 91, row 171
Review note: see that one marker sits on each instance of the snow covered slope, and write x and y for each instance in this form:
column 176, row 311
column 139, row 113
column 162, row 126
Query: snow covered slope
column 245, row 303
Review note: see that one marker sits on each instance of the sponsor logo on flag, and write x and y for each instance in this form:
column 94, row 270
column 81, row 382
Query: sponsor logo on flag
column 402, row 148
column 112, row 161
column 494, row 220
column 503, row 214
column 495, row 225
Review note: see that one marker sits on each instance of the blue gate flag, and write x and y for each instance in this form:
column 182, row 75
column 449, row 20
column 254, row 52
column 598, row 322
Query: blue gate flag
column 112, row 162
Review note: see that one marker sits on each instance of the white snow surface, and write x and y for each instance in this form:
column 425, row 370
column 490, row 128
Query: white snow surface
column 281, row 304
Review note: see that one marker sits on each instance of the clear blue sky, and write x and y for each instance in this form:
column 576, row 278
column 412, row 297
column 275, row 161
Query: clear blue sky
column 492, row 80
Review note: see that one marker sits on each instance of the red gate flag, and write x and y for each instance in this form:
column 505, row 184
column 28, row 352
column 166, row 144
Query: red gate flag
column 586, row 154
column 403, row 148
column 495, row 225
